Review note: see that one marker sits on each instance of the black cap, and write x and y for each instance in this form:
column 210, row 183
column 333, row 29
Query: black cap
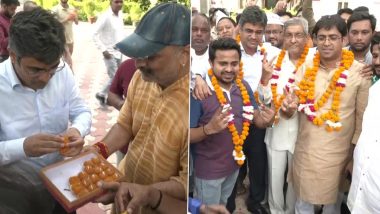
column 10, row 2
column 163, row 25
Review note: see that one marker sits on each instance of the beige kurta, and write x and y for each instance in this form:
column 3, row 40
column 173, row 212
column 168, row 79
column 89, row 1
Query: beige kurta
column 320, row 156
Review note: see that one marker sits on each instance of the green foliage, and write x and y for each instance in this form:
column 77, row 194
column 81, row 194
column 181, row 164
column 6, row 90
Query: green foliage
column 133, row 9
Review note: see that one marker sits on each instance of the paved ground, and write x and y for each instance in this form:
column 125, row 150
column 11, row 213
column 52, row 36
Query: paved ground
column 90, row 73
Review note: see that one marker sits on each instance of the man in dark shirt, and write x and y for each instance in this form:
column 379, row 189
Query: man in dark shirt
column 7, row 10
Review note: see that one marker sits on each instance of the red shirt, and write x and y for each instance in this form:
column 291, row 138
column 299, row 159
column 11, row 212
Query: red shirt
column 123, row 77
column 5, row 22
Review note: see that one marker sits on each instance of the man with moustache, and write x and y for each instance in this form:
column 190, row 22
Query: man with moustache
column 364, row 195
column 274, row 31
column 216, row 167
column 7, row 10
column 257, row 70
column 200, row 38
column 330, row 119
column 281, row 137
column 361, row 27
column 154, row 119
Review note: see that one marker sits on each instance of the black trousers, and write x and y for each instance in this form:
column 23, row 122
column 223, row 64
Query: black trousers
column 257, row 162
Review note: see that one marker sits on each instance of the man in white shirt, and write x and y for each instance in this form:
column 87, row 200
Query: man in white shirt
column 281, row 138
column 364, row 195
column 109, row 30
column 40, row 105
column 200, row 38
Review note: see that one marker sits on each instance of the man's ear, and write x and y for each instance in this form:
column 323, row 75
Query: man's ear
column 12, row 55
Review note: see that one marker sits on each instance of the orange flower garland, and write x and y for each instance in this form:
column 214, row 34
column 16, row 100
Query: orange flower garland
column 306, row 94
column 276, row 75
column 238, row 140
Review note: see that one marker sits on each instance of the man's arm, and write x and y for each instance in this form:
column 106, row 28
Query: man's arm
column 115, row 100
column 99, row 25
column 361, row 104
column 308, row 13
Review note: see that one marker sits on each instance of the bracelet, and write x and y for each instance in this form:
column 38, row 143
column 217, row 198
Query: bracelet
column 159, row 201
column 204, row 130
column 102, row 149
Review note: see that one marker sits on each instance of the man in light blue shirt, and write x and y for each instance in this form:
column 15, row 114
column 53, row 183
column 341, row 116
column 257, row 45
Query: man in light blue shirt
column 40, row 103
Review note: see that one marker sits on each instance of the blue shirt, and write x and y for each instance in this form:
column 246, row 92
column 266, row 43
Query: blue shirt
column 25, row 112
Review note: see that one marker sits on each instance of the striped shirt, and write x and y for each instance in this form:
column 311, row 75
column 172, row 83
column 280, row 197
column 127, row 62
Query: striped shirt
column 158, row 121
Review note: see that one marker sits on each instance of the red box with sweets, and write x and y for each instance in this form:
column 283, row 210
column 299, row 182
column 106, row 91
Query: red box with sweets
column 72, row 182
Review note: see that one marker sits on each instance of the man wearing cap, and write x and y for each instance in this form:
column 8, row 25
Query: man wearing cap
column 154, row 119
column 7, row 10
column 109, row 29
column 274, row 31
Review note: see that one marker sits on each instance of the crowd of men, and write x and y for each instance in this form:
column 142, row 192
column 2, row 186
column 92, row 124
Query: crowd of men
column 315, row 76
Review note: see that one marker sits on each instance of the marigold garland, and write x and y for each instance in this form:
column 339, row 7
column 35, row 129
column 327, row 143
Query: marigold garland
column 306, row 94
column 276, row 75
column 238, row 140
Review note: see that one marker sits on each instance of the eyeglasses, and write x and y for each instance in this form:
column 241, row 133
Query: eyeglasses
column 297, row 36
column 331, row 38
column 34, row 72
column 274, row 32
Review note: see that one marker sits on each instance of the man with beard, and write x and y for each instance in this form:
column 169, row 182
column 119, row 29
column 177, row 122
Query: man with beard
column 7, row 10
column 274, row 31
column 361, row 27
column 154, row 119
column 216, row 155
column 364, row 195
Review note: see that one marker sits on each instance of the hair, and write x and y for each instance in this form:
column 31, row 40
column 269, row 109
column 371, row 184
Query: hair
column 229, row 18
column 223, row 44
column 345, row 10
column 359, row 16
column 37, row 34
column 297, row 21
column 202, row 15
column 330, row 21
column 238, row 18
column 361, row 9
column 29, row 5
column 375, row 40
column 10, row 2
column 284, row 13
column 253, row 15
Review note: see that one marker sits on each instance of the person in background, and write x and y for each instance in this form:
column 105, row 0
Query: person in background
column 29, row 5
column 364, row 195
column 375, row 57
column 7, row 10
column 274, row 31
column 345, row 13
column 109, row 30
